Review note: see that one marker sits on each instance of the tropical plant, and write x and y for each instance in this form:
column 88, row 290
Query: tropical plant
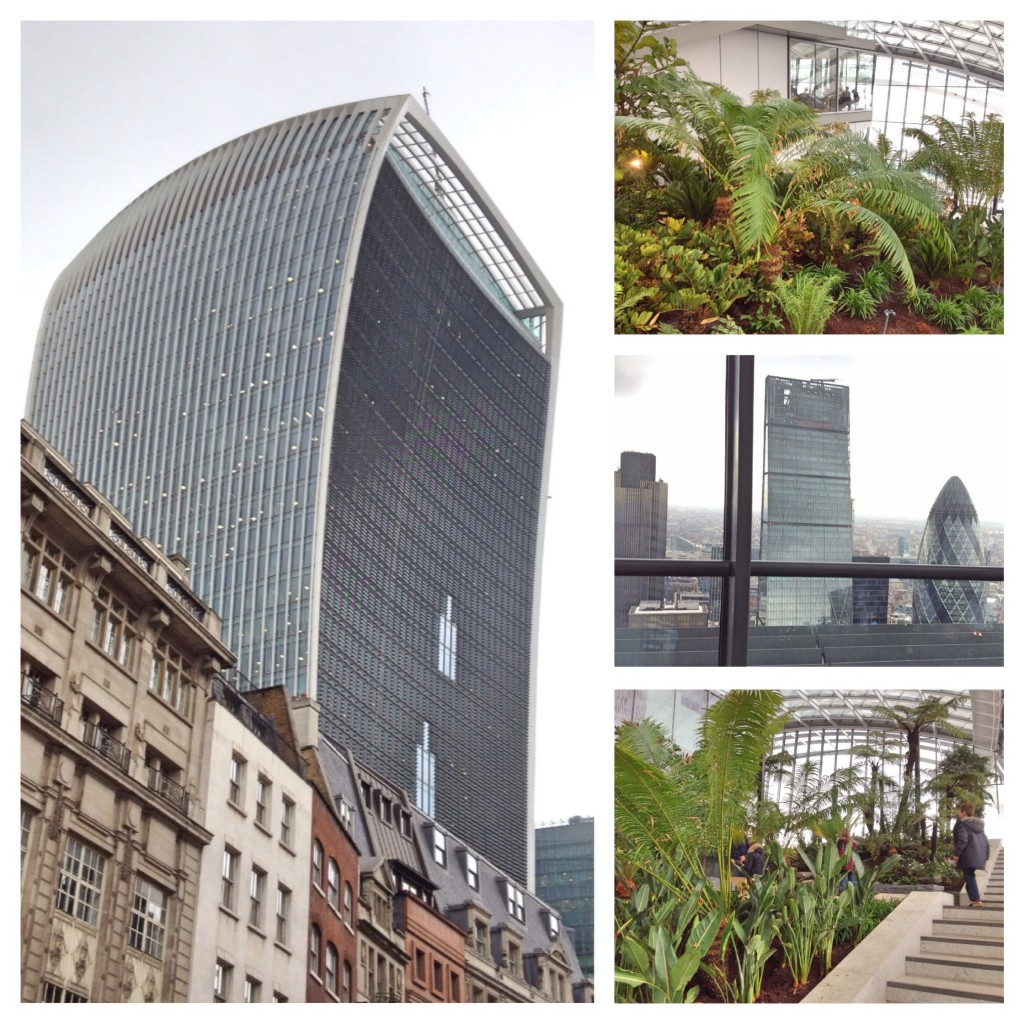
column 949, row 315
column 661, row 943
column 806, row 302
column 966, row 157
column 645, row 83
column 878, row 279
column 858, row 302
column 961, row 776
column 933, row 711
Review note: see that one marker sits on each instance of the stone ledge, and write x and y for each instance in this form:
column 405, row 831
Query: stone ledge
column 863, row 975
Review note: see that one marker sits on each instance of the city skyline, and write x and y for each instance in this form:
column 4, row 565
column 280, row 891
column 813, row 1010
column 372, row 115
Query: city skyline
column 901, row 448
column 543, row 811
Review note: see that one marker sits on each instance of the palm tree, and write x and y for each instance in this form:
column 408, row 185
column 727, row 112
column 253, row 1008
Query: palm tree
column 932, row 711
column 966, row 157
column 961, row 776
column 669, row 815
column 778, row 167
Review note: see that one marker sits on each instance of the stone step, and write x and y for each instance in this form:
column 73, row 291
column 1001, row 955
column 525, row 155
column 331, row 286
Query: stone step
column 979, row 929
column 956, row 946
column 924, row 990
column 987, row 913
column 987, row 970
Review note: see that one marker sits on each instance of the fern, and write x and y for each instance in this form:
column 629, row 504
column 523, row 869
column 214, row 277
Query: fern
column 806, row 303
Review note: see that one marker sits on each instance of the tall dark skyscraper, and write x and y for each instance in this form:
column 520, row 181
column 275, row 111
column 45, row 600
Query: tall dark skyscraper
column 806, row 510
column 952, row 536
column 641, row 528
column 317, row 363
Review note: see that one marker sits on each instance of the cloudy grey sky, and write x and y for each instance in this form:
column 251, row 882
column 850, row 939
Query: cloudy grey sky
column 109, row 108
column 921, row 411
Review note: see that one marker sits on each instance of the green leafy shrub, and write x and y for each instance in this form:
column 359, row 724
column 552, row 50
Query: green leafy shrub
column 859, row 302
column 876, row 282
column 921, row 300
column 806, row 302
column 949, row 315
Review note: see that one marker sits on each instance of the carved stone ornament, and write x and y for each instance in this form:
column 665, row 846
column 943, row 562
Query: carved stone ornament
column 81, row 961
column 56, row 947
column 149, row 989
column 128, row 982
column 74, row 682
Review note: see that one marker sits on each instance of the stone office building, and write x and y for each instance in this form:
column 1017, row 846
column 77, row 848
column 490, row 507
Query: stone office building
column 117, row 658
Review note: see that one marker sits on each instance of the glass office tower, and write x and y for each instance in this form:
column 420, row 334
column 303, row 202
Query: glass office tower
column 641, row 528
column 952, row 536
column 317, row 363
column 806, row 511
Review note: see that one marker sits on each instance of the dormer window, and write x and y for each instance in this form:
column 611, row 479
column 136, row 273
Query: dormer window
column 472, row 871
column 515, row 901
column 552, row 924
column 440, row 842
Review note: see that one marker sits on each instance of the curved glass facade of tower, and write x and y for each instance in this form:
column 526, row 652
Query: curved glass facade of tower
column 952, row 536
column 317, row 363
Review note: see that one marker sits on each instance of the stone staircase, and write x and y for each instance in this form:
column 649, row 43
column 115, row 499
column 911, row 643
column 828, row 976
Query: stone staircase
column 962, row 960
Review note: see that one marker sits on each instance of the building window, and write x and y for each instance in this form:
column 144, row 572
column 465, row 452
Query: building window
column 440, row 844
column 331, row 969
column 346, row 982
column 284, row 907
column 263, row 791
column 168, row 677
column 333, row 883
column 515, row 902
column 229, row 875
column 425, row 780
column 252, row 989
column 438, row 976
column 26, row 835
column 149, row 919
column 236, row 780
column 472, row 871
column 221, row 981
column 314, row 951
column 318, row 865
column 349, row 906
column 81, row 881
column 287, row 820
column 455, row 995
column 280, row 997
column 47, row 573
column 55, row 994
column 552, row 924
column 447, row 635
column 114, row 628
column 482, row 939
column 421, row 965
column 257, row 895
column 515, row 960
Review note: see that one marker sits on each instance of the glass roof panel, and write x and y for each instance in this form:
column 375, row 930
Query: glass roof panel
column 974, row 47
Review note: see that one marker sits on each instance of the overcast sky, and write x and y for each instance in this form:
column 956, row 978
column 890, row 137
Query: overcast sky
column 920, row 412
column 109, row 108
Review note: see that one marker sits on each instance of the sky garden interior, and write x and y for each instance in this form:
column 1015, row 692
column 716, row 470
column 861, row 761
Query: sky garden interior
column 835, row 816
column 839, row 177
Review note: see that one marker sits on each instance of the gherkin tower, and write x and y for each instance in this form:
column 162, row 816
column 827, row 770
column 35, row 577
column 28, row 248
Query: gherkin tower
column 952, row 536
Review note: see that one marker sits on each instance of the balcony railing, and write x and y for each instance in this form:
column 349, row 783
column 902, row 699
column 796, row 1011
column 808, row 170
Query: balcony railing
column 167, row 788
column 113, row 750
column 47, row 703
column 386, row 995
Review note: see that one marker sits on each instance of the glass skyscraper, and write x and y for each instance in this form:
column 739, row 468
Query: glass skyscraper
column 317, row 363
column 806, row 510
column 952, row 536
column 641, row 528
